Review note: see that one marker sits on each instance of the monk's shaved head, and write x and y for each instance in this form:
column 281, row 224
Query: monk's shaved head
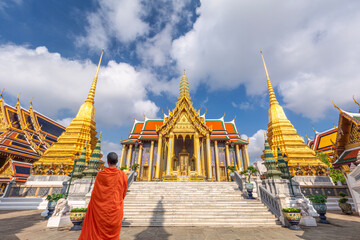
column 112, row 158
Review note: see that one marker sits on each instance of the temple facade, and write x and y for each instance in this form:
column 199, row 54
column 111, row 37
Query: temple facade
column 25, row 135
column 347, row 145
column 184, row 145
column 282, row 135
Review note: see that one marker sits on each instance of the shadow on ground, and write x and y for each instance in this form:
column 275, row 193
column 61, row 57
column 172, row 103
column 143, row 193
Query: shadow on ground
column 156, row 229
column 341, row 227
column 11, row 225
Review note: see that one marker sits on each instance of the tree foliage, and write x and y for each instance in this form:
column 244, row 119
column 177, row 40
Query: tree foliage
column 335, row 174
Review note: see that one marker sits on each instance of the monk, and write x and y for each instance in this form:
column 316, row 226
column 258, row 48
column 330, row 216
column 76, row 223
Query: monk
column 105, row 211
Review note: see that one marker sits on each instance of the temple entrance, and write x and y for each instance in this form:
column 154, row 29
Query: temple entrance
column 184, row 163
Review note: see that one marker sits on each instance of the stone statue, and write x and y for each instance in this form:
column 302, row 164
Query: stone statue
column 62, row 208
column 301, row 204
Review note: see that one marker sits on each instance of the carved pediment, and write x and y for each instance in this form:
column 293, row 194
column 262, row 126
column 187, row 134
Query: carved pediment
column 183, row 119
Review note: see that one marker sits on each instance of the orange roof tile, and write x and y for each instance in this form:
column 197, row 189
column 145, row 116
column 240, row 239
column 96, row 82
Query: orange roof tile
column 138, row 127
column 215, row 125
column 230, row 128
column 153, row 124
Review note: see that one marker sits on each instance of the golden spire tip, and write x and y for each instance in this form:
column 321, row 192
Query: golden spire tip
column 336, row 106
column 2, row 92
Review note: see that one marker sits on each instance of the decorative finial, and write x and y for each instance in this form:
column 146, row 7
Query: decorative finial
column 316, row 132
column 91, row 95
column 100, row 136
column 356, row 102
column 205, row 111
column 272, row 96
column 336, row 107
column 18, row 97
column 134, row 118
column 18, row 100
column 121, row 139
column 184, row 71
column 335, row 126
column 144, row 114
column 234, row 118
column 2, row 93
column 307, row 137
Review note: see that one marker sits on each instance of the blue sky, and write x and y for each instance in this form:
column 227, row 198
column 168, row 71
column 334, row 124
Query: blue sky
column 49, row 50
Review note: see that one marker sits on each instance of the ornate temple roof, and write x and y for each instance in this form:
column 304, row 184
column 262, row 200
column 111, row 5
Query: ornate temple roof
column 218, row 129
column 324, row 141
column 25, row 134
column 347, row 142
column 19, row 171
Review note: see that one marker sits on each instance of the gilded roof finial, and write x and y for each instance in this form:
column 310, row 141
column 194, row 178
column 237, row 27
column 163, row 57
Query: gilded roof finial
column 1, row 96
column 356, row 102
column 91, row 95
column 184, row 87
column 272, row 96
column 18, row 100
column 144, row 114
column 223, row 116
column 316, row 132
column 234, row 118
column 134, row 118
column 335, row 126
column 307, row 137
column 340, row 111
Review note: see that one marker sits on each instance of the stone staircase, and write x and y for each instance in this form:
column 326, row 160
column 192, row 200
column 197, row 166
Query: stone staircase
column 192, row 204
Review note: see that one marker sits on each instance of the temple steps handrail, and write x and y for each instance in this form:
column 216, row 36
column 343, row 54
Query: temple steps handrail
column 239, row 181
column 131, row 179
column 270, row 200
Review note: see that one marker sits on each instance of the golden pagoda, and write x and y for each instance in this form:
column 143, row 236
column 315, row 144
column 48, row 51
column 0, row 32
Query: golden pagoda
column 60, row 156
column 302, row 160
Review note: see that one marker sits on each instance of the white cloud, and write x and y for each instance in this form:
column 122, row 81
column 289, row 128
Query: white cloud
column 256, row 145
column 65, row 121
column 114, row 18
column 311, row 50
column 57, row 83
column 8, row 3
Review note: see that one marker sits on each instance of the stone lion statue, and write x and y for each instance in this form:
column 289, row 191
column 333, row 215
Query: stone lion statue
column 301, row 203
column 62, row 208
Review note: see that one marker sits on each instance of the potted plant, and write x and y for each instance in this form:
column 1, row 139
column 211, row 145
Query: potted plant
column 293, row 216
column 345, row 207
column 319, row 204
column 134, row 167
column 52, row 203
column 249, row 172
column 123, row 168
column 232, row 170
column 77, row 216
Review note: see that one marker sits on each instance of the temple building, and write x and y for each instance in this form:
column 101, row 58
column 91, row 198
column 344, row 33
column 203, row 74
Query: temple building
column 324, row 142
column 184, row 145
column 25, row 135
column 347, row 145
column 281, row 133
column 59, row 158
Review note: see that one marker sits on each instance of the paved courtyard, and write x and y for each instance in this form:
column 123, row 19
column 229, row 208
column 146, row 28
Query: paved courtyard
column 29, row 225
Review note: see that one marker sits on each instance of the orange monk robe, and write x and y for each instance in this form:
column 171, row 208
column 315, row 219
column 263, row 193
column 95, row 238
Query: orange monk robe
column 105, row 211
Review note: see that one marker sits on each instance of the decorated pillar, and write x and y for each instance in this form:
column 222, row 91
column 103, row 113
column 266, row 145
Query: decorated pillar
column 246, row 155
column 171, row 150
column 158, row 157
column 208, row 153
column 122, row 155
column 217, row 162
column 197, row 154
column 139, row 159
column 151, row 160
column 227, row 160
column 202, row 155
column 128, row 161
column 238, row 157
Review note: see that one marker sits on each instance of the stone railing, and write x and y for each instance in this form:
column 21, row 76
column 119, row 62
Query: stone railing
column 131, row 177
column 270, row 200
column 239, row 181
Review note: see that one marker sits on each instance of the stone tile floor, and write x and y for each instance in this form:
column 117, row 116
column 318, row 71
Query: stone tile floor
column 29, row 225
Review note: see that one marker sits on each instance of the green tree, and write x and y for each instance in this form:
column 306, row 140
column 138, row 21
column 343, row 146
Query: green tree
column 335, row 174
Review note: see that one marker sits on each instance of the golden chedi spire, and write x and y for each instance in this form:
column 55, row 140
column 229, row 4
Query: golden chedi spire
column 281, row 132
column 184, row 87
column 82, row 129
